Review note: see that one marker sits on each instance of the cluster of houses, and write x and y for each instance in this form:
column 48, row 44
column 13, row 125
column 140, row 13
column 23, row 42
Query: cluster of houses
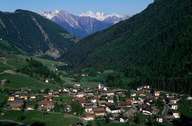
column 103, row 102
column 23, row 100
column 119, row 105
column 16, row 100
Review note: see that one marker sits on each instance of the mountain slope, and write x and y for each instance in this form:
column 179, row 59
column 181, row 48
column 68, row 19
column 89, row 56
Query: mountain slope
column 6, row 47
column 155, row 43
column 83, row 25
column 19, row 71
column 34, row 34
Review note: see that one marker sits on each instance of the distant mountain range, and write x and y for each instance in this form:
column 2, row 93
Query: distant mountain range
column 84, row 24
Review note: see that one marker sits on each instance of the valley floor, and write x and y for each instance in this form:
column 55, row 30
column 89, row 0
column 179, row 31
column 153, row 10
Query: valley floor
column 77, row 99
column 95, row 107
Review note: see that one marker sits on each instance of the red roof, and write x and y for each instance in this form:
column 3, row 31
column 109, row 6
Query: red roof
column 46, row 102
column 81, row 100
column 99, row 110
column 88, row 115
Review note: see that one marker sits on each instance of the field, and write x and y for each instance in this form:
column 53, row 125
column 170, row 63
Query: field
column 50, row 119
column 23, row 81
column 9, row 64
column 4, row 67
column 102, row 123
column 87, row 83
column 49, row 63
column 90, row 81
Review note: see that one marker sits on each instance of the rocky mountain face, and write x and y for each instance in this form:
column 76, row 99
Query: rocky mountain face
column 32, row 34
column 84, row 24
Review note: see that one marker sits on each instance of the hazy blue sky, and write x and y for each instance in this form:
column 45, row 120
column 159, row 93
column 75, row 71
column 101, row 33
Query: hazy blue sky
column 129, row 7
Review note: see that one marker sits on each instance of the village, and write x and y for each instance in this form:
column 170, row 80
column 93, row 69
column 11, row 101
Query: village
column 114, row 105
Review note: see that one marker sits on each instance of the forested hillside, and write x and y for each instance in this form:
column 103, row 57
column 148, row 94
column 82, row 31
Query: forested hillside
column 155, row 44
column 33, row 34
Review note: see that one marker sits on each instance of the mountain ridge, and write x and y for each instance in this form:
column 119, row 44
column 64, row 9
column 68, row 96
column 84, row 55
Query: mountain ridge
column 84, row 24
column 153, row 43
column 34, row 34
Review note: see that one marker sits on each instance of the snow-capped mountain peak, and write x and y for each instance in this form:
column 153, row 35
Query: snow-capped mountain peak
column 84, row 24
column 50, row 14
column 101, row 16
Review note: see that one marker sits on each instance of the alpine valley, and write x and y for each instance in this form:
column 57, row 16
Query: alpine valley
column 154, row 45
column 96, row 69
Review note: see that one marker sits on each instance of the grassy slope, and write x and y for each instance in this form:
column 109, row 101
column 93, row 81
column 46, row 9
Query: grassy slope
column 50, row 119
column 10, row 63
column 5, row 46
column 23, row 81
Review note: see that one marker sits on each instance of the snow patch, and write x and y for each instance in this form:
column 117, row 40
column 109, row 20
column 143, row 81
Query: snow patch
column 50, row 14
column 99, row 15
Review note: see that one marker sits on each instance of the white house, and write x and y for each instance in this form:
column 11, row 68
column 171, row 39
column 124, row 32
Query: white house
column 145, row 112
column 100, row 86
column 139, row 88
column 105, row 88
column 110, row 101
column 174, row 101
column 84, row 75
column 88, row 117
column 88, row 109
column 123, row 120
column 30, row 108
column 189, row 98
column 11, row 98
column 33, row 97
column 77, row 85
column 174, row 107
column 176, row 115
column 74, row 91
column 133, row 95
column 110, row 94
column 65, row 90
column 46, row 81
column 159, row 120
column 146, row 87
column 80, row 95
column 157, row 93
column 94, row 100
column 113, row 110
